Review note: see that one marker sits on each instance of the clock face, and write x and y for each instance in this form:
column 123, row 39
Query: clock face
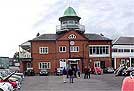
column 71, row 42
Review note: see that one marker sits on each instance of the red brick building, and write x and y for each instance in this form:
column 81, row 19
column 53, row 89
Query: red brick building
column 70, row 46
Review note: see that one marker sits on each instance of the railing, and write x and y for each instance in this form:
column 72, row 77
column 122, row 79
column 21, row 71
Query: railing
column 65, row 27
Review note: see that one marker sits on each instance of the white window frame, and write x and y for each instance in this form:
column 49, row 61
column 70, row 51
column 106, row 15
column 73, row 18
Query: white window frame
column 74, row 48
column 29, row 65
column 102, row 50
column 42, row 65
column 97, row 63
column 43, row 50
column 62, row 47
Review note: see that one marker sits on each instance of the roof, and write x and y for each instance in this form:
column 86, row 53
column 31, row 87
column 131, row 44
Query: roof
column 70, row 12
column 96, row 37
column 124, row 41
column 46, row 37
column 26, row 45
column 55, row 36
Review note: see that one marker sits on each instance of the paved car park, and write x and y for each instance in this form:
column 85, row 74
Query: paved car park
column 105, row 82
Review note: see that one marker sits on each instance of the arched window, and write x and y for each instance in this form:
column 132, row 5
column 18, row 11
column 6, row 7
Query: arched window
column 72, row 36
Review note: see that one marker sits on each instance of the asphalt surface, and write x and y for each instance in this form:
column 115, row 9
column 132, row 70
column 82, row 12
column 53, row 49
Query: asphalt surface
column 105, row 82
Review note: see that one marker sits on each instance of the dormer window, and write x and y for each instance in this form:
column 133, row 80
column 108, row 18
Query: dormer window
column 72, row 36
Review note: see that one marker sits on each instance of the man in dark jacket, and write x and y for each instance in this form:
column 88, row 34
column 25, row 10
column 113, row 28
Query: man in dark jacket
column 71, row 74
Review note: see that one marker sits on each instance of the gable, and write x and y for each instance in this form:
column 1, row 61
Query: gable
column 72, row 35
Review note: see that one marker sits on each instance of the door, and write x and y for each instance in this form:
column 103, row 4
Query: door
column 102, row 64
column 113, row 62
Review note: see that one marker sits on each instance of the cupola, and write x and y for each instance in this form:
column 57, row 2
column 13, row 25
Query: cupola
column 70, row 21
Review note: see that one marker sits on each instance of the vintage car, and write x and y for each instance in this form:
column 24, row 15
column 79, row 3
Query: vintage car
column 129, row 70
column 6, row 86
column 44, row 72
column 108, row 70
column 97, row 70
column 29, row 72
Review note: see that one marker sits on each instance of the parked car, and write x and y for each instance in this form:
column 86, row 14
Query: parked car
column 20, row 74
column 6, row 79
column 29, row 72
column 5, row 86
column 129, row 70
column 121, row 71
column 108, row 70
column 59, row 71
column 44, row 72
column 97, row 70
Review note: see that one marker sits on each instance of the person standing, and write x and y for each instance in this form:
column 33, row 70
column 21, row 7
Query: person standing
column 85, row 72
column 71, row 74
column 89, row 70
column 78, row 71
column 64, row 72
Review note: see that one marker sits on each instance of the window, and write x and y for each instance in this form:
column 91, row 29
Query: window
column 126, row 50
column 91, row 52
column 43, row 50
column 132, row 50
column 120, row 50
column 99, row 50
column 29, row 65
column 64, row 22
column 72, row 36
column 74, row 48
column 63, row 60
column 62, row 49
column 114, row 50
column 44, row 65
column 123, row 61
column 97, row 64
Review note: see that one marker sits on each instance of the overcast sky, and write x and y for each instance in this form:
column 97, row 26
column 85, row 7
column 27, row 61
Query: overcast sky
column 21, row 20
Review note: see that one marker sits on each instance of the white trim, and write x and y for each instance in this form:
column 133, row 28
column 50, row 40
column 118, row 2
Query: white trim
column 114, row 63
column 73, row 59
column 130, row 62
column 74, row 49
column 98, row 45
column 47, row 65
column 40, row 52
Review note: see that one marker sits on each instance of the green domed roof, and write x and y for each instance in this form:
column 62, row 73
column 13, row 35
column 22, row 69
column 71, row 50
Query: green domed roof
column 70, row 12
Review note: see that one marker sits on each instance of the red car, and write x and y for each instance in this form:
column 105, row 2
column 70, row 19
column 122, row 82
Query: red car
column 97, row 71
column 13, row 83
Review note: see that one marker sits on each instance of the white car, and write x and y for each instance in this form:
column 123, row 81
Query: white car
column 5, row 86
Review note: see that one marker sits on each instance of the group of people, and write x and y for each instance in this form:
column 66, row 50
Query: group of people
column 74, row 72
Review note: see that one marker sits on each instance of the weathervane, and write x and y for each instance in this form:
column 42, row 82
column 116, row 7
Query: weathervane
column 69, row 2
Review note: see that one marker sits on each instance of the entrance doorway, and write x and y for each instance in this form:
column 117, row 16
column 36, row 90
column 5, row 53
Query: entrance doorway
column 102, row 63
column 113, row 63
column 73, row 63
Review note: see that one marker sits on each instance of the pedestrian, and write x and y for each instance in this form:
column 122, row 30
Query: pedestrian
column 74, row 71
column 64, row 72
column 85, row 72
column 71, row 74
column 89, row 70
column 78, row 71
column 55, row 72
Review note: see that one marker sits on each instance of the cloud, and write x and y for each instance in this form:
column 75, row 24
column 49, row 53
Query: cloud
column 21, row 20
